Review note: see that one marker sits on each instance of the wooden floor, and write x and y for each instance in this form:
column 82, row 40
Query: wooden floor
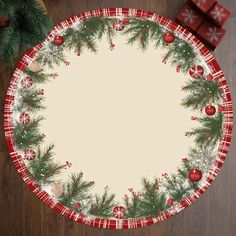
column 214, row 214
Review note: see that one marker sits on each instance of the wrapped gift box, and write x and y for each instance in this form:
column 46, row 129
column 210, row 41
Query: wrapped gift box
column 189, row 17
column 219, row 14
column 210, row 34
column 204, row 5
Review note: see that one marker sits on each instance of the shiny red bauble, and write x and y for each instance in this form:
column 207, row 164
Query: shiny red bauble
column 195, row 175
column 210, row 110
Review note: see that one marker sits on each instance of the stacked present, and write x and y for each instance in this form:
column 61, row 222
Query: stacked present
column 204, row 18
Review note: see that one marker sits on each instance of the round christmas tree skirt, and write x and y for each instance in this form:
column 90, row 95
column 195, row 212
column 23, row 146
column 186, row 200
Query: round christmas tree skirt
column 119, row 119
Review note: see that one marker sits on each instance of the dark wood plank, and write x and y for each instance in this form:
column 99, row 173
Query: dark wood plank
column 32, row 212
column 53, row 223
column 11, row 198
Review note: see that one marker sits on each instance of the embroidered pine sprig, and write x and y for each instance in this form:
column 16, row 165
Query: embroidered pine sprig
column 76, row 190
column 180, row 53
column 143, row 32
column 176, row 187
column 103, row 205
column 38, row 77
column 51, row 55
column 30, row 100
column 153, row 201
column 43, row 167
column 90, row 30
column 210, row 131
column 28, row 135
column 201, row 92
column 132, row 205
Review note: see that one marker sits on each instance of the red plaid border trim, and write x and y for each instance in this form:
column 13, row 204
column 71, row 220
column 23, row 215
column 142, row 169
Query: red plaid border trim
column 113, row 223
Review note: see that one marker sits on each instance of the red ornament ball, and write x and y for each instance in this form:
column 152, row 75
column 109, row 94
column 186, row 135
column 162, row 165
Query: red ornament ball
column 29, row 154
column 210, row 110
column 169, row 37
column 119, row 212
column 118, row 25
column 77, row 205
column 24, row 118
column 27, row 82
column 58, row 40
column 195, row 175
column 170, row 202
column 196, row 72
column 126, row 20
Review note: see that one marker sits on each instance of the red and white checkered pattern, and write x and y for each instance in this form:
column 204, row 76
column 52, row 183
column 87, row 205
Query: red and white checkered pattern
column 119, row 223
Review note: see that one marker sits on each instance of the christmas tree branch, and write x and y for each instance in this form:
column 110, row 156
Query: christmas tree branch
column 43, row 168
column 102, row 206
column 28, row 136
column 10, row 41
column 28, row 26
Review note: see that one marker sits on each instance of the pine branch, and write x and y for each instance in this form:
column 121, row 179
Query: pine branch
column 30, row 100
column 181, row 54
column 92, row 29
column 28, row 136
column 43, row 168
column 176, row 187
column 35, row 14
column 51, row 55
column 76, row 190
column 153, row 201
column 132, row 205
column 102, row 206
column 201, row 93
column 183, row 174
column 28, row 26
column 142, row 32
column 38, row 77
column 210, row 132
column 10, row 41
column 6, row 8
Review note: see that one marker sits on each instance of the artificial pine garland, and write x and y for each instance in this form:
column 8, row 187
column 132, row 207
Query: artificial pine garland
column 28, row 26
